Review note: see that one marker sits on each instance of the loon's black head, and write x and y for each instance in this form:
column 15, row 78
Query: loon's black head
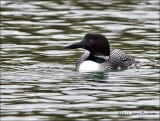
column 97, row 44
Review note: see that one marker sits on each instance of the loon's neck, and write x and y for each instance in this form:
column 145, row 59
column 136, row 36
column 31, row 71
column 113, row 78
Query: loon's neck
column 103, row 57
column 98, row 58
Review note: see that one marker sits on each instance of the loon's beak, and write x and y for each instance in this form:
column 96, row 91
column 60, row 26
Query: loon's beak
column 75, row 45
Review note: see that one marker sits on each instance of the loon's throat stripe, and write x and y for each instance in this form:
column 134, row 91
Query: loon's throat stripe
column 103, row 57
column 100, row 59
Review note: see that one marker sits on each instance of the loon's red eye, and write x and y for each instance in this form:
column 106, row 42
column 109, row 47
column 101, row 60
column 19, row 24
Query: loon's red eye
column 91, row 40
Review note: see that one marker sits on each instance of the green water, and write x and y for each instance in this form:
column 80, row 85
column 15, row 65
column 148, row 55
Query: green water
column 38, row 80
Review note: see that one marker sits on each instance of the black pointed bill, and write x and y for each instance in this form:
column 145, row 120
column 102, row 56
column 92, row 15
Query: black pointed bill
column 74, row 46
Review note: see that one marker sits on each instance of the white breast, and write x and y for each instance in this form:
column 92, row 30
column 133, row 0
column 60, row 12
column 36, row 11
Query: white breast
column 89, row 66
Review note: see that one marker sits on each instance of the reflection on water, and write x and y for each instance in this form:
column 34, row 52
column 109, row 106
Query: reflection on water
column 38, row 77
column 95, row 76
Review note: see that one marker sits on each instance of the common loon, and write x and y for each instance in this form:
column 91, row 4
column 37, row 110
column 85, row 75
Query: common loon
column 98, row 56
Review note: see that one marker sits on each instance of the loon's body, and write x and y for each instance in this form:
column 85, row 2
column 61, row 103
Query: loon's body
column 99, row 57
column 117, row 59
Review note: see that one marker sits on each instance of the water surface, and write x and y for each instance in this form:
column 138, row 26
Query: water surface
column 38, row 80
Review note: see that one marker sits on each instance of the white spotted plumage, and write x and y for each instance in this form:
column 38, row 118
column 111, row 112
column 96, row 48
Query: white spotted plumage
column 117, row 59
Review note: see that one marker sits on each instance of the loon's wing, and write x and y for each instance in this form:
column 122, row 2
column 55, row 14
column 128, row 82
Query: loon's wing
column 82, row 58
column 118, row 58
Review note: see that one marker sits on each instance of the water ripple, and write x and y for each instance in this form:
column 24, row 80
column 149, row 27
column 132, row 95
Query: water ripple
column 39, row 81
